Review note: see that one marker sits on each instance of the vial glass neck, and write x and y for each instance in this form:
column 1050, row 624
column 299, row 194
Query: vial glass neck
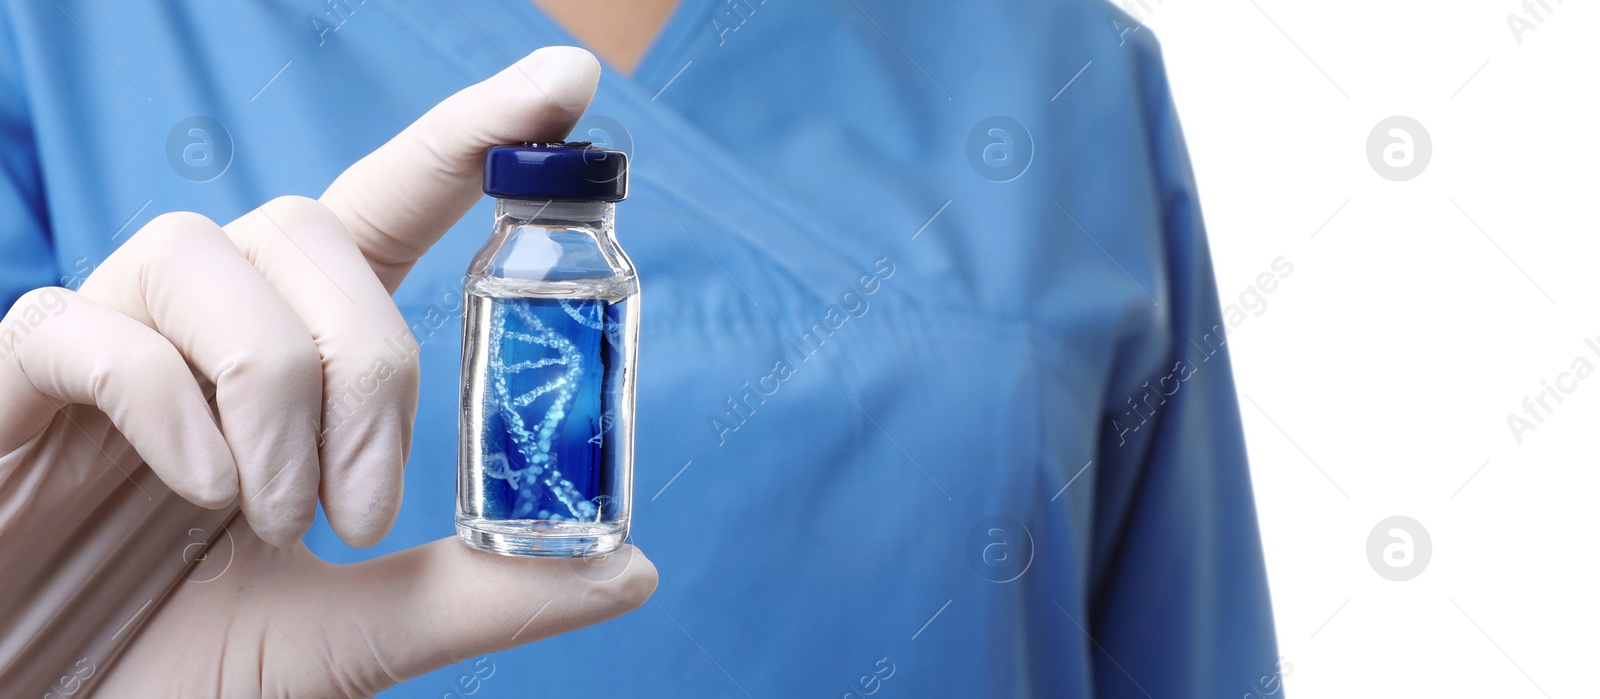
column 555, row 246
column 587, row 214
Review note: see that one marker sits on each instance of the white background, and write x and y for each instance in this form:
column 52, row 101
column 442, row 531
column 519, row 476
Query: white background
column 1391, row 356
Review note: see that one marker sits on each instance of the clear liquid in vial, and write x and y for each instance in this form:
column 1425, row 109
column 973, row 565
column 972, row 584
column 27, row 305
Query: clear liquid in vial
column 548, row 464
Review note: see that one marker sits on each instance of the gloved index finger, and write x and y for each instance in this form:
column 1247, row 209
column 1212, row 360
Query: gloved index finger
column 398, row 200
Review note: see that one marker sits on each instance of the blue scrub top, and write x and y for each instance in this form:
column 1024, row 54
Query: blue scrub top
column 933, row 394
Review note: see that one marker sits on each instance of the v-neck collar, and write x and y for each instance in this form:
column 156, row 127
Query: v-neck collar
column 799, row 242
column 668, row 52
column 659, row 64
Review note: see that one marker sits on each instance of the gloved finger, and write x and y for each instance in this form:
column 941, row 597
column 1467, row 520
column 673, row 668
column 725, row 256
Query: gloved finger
column 57, row 347
column 401, row 198
column 437, row 604
column 369, row 365
column 181, row 276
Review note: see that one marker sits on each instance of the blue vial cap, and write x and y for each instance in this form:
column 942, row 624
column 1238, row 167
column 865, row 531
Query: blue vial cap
column 572, row 171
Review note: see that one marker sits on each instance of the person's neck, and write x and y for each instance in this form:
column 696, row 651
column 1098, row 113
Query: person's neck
column 618, row 31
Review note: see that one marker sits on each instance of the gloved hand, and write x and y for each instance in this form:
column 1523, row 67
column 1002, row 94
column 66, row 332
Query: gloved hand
column 116, row 474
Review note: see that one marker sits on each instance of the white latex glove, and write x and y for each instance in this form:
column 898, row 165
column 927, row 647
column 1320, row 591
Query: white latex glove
column 115, row 474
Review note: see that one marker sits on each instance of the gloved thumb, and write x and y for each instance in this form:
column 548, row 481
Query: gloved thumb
column 400, row 199
column 435, row 605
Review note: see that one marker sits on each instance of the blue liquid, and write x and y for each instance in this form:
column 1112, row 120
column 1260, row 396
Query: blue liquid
column 553, row 386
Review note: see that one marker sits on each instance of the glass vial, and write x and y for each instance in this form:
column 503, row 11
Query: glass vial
column 549, row 350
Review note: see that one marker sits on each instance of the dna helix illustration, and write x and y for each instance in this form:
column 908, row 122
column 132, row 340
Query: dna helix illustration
column 517, row 323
